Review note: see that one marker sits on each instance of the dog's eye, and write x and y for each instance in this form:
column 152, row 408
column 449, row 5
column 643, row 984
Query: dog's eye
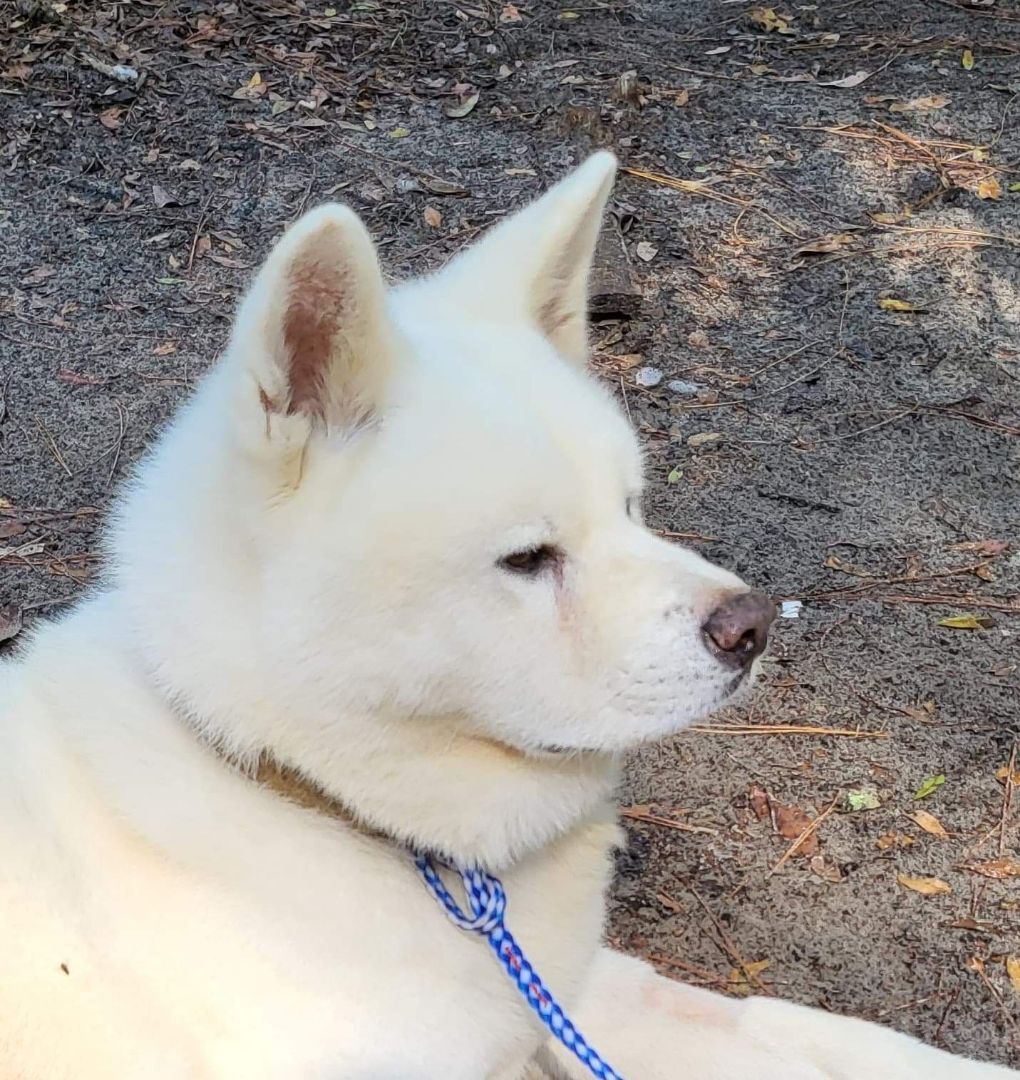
column 531, row 561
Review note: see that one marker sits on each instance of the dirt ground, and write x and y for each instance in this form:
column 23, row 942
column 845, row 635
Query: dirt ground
column 821, row 222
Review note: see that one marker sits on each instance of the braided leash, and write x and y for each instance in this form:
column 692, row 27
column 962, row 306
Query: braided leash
column 487, row 903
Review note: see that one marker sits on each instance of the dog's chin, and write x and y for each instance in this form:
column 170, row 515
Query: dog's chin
column 732, row 692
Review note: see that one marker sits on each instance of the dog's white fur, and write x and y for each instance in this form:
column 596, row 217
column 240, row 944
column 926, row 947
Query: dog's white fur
column 308, row 565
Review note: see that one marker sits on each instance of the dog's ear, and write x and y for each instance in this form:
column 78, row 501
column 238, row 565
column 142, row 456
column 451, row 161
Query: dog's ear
column 536, row 263
column 314, row 327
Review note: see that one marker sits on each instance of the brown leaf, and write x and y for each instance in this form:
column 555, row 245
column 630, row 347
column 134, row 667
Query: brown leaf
column 1001, row 774
column 433, row 218
column 110, row 118
column 825, row 869
column 758, row 800
column 1013, row 971
column 824, row 245
column 767, row 19
column 995, row 868
column 167, row 348
column 921, row 104
column 10, row 622
column 926, row 886
column 509, row 14
column 703, row 438
column 929, row 822
column 983, row 547
column 742, row 979
column 893, row 840
column 790, row 822
column 890, row 303
column 989, row 188
column 9, row 529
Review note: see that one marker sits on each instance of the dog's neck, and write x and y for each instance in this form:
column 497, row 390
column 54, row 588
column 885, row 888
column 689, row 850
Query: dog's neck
column 421, row 781
column 428, row 788
column 291, row 785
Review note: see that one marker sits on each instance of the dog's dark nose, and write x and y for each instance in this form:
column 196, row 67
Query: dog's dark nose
column 738, row 630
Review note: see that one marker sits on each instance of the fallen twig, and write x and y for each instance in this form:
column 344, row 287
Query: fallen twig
column 637, row 814
column 788, row 729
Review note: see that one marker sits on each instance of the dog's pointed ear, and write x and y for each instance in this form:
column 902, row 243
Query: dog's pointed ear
column 537, row 262
column 314, row 326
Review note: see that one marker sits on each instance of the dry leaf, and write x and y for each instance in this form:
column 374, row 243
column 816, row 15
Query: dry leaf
column 758, row 800
column 682, row 98
column 433, row 218
column 967, row 60
column 509, row 14
column 850, row 81
column 926, row 886
column 703, row 438
column 890, row 219
column 893, row 840
column 890, row 303
column 790, row 822
column 161, row 197
column 921, row 104
column 741, row 978
column 455, row 112
column 110, row 118
column 768, row 20
column 825, row 869
column 995, row 868
column 834, row 562
column 824, row 245
column 719, row 50
column 168, row 348
column 929, row 822
column 967, row 622
column 1001, row 774
column 1013, row 971
column 989, row 188
column 983, row 547
column 645, row 251
column 10, row 621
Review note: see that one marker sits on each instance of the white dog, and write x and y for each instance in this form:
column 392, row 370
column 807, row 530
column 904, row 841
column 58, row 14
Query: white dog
column 382, row 587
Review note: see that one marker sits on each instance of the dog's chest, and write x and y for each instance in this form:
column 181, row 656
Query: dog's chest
column 352, row 972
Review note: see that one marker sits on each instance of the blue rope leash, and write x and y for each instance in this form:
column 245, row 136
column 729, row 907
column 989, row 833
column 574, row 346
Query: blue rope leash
column 487, row 903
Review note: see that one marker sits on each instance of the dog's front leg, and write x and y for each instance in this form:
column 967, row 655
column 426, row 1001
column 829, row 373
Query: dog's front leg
column 652, row 1028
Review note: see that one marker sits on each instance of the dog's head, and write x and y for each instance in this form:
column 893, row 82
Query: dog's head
column 416, row 503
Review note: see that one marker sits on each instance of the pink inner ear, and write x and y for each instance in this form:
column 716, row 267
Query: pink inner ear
column 311, row 327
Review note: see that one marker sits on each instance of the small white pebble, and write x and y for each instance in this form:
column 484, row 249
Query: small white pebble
column 790, row 609
column 681, row 386
column 648, row 376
